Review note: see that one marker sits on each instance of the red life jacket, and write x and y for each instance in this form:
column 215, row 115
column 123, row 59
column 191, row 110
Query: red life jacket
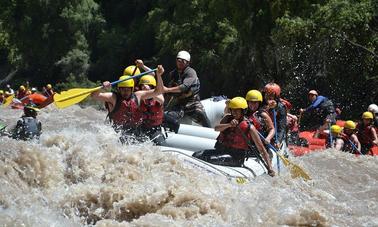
column 152, row 113
column 21, row 94
column 347, row 140
column 126, row 112
column 257, row 121
column 49, row 92
column 365, row 136
column 286, row 103
column 233, row 137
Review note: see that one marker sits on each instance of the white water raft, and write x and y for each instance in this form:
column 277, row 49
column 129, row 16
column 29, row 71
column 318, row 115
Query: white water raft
column 253, row 167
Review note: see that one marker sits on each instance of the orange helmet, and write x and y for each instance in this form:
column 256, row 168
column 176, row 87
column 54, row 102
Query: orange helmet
column 273, row 88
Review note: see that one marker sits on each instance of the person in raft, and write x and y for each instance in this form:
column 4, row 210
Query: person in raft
column 127, row 112
column 237, row 136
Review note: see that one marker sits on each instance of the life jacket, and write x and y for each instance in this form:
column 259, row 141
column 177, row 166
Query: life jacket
column 286, row 103
column 233, row 137
column 48, row 92
column 152, row 113
column 348, row 147
column 126, row 112
column 28, row 128
column 365, row 136
column 258, row 121
column 21, row 94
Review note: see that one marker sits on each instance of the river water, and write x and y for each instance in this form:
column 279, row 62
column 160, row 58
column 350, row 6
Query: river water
column 79, row 174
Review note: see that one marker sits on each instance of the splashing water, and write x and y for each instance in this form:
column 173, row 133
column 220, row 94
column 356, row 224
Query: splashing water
column 79, row 174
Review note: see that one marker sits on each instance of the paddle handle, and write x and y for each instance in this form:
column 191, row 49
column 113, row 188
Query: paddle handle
column 354, row 146
column 132, row 77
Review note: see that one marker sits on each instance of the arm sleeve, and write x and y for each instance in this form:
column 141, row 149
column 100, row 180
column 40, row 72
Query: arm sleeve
column 281, row 123
column 189, row 81
column 316, row 103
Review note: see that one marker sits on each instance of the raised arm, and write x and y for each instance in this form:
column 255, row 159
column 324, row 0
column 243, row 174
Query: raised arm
column 157, row 92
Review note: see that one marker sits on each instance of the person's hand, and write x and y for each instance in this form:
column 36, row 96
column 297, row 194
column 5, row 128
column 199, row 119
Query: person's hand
column 278, row 145
column 139, row 63
column 160, row 70
column 271, row 172
column 106, row 84
column 234, row 123
column 267, row 141
column 301, row 110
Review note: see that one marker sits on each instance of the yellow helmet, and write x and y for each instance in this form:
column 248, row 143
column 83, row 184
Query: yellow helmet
column 126, row 83
column 48, row 86
column 22, row 88
column 367, row 115
column 129, row 71
column 254, row 96
column 238, row 103
column 148, row 79
column 350, row 125
column 1, row 92
column 335, row 129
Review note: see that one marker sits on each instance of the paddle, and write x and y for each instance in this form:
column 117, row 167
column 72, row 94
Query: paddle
column 276, row 137
column 76, row 95
column 354, row 146
column 8, row 101
column 296, row 171
column 330, row 135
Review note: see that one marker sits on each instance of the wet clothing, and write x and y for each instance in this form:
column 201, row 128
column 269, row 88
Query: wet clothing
column 187, row 102
column 48, row 92
column 125, row 113
column 21, row 94
column 137, row 123
column 365, row 136
column 152, row 113
column 280, row 110
column 27, row 128
column 321, row 109
column 231, row 147
column 349, row 145
column 258, row 121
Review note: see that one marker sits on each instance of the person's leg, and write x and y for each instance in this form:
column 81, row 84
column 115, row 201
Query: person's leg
column 171, row 120
column 198, row 113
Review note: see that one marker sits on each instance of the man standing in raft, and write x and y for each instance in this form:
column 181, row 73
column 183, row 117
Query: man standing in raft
column 183, row 89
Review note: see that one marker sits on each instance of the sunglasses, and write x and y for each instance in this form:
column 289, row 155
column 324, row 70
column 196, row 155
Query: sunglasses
column 181, row 60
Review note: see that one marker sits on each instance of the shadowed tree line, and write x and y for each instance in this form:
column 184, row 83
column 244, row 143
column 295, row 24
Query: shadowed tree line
column 235, row 45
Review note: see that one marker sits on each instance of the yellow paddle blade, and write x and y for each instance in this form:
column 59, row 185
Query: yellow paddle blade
column 8, row 101
column 241, row 180
column 295, row 170
column 72, row 96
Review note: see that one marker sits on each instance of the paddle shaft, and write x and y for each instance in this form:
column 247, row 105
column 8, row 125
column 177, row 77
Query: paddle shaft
column 330, row 135
column 276, row 136
column 132, row 77
column 354, row 146
column 251, row 148
column 98, row 88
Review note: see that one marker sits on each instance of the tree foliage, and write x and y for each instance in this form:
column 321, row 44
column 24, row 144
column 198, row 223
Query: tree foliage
column 329, row 45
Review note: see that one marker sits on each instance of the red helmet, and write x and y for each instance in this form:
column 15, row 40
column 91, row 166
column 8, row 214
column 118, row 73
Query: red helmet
column 273, row 88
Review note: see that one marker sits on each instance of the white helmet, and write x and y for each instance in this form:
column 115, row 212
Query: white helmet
column 184, row 55
column 373, row 108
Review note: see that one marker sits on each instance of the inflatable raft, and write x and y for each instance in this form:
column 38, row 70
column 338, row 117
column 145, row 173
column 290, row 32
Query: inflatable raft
column 253, row 167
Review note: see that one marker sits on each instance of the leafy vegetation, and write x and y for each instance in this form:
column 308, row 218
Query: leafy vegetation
column 329, row 45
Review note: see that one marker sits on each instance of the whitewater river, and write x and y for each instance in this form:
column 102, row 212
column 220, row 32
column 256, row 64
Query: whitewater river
column 79, row 174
